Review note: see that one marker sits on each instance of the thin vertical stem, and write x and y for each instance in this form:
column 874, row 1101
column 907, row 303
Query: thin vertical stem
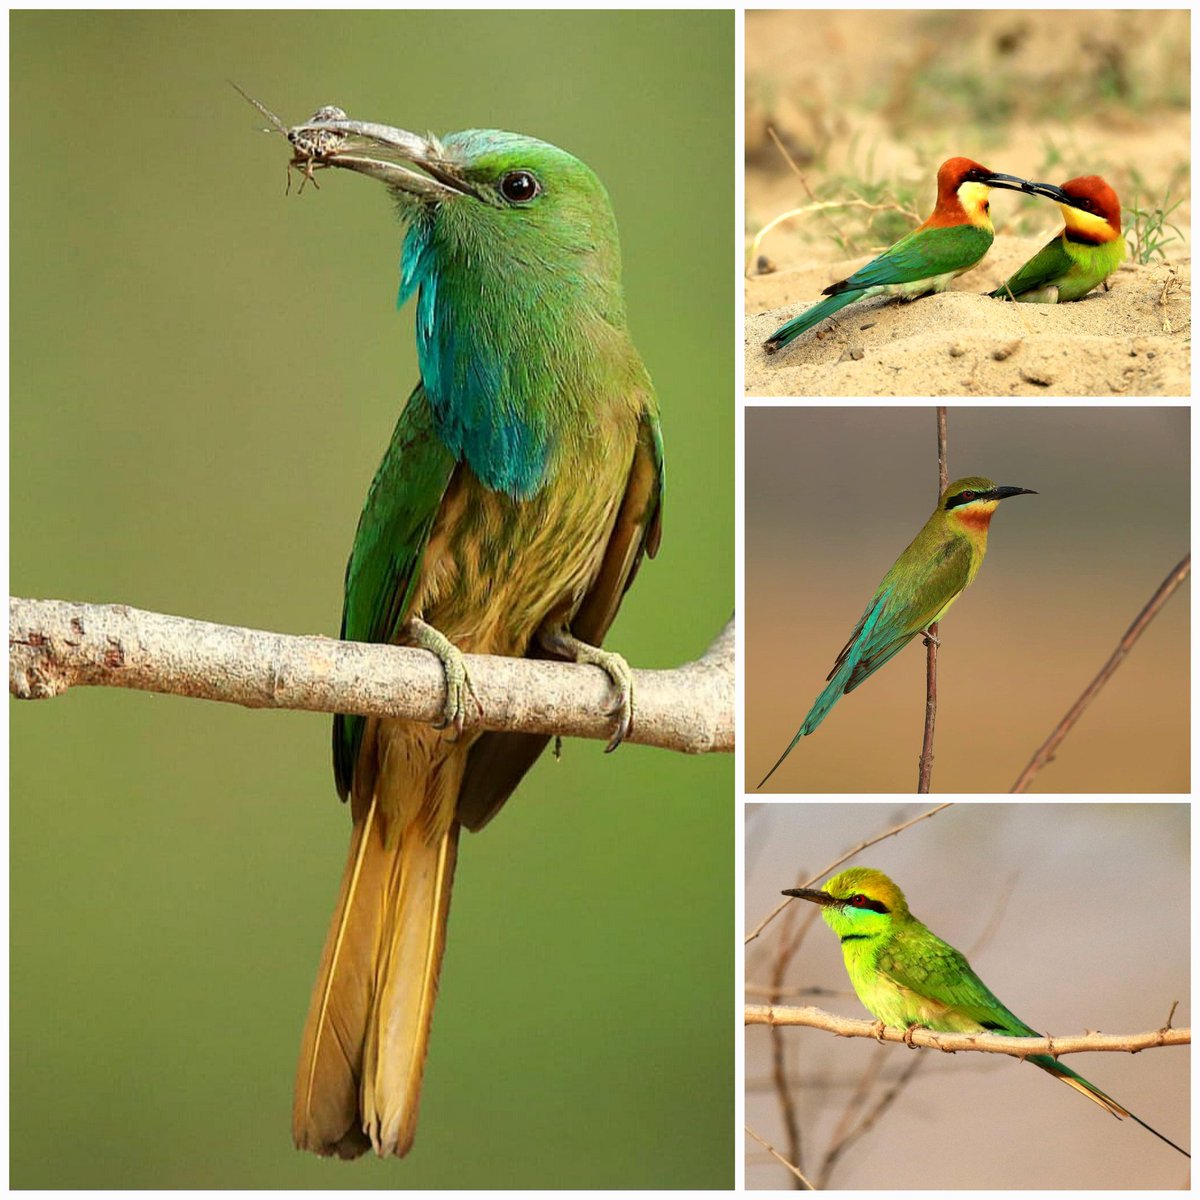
column 931, row 642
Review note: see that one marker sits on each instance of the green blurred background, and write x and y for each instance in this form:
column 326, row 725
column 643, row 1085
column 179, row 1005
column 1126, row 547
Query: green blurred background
column 1075, row 915
column 833, row 495
column 204, row 375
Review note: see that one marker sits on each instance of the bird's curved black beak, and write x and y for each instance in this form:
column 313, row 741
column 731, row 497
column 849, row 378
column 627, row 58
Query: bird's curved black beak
column 1048, row 190
column 1015, row 184
column 1011, row 182
column 1003, row 492
column 822, row 898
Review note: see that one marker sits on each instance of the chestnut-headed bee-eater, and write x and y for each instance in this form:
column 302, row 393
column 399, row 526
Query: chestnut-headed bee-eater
column 907, row 977
column 521, row 490
column 922, row 584
column 956, row 236
column 1087, row 251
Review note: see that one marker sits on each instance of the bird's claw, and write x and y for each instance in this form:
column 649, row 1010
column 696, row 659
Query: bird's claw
column 930, row 639
column 877, row 1031
column 612, row 664
column 908, row 1036
column 458, row 679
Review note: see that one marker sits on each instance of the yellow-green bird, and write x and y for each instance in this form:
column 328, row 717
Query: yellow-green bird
column 907, row 977
column 922, row 584
column 1087, row 251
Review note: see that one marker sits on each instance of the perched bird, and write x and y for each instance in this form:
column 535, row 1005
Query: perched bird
column 922, row 584
column 521, row 488
column 907, row 977
column 1089, row 249
column 956, row 236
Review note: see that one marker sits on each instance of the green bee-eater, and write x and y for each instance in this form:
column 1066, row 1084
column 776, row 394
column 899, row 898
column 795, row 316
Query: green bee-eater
column 922, row 584
column 908, row 977
column 521, row 488
column 954, row 238
column 1088, row 250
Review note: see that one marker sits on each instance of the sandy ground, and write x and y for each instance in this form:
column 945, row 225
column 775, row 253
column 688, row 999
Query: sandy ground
column 910, row 111
column 1133, row 340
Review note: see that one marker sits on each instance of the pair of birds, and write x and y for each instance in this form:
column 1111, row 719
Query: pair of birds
column 907, row 977
column 958, row 234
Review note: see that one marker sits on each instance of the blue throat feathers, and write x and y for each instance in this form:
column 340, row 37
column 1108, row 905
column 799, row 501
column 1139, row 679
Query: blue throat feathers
column 471, row 384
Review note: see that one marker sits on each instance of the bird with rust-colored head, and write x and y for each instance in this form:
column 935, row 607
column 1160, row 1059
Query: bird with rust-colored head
column 956, row 236
column 1087, row 251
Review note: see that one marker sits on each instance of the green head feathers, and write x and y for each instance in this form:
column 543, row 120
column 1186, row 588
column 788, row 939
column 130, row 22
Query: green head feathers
column 513, row 257
column 859, row 901
column 975, row 488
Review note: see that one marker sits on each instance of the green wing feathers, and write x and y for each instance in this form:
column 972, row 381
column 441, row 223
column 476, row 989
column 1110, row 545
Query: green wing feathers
column 912, row 601
column 920, row 962
column 922, row 254
column 385, row 560
column 1047, row 266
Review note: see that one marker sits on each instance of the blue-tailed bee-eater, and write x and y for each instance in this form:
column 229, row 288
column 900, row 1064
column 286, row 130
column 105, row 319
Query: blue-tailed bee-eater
column 915, row 594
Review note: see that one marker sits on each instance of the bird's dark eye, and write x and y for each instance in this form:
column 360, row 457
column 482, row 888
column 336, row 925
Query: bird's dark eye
column 519, row 187
column 858, row 900
column 971, row 496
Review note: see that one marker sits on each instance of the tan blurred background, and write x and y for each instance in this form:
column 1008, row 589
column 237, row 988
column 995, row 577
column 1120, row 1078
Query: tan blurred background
column 1094, row 933
column 833, row 495
column 878, row 96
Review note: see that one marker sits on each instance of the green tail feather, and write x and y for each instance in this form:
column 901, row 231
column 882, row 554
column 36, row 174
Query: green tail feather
column 1085, row 1087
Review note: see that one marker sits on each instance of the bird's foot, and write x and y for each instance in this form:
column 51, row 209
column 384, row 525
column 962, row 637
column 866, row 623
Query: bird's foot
column 877, row 1031
column 559, row 641
column 458, row 682
column 930, row 638
column 908, row 1036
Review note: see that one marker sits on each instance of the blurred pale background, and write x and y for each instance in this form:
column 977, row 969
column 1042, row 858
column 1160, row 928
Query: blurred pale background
column 833, row 495
column 1094, row 935
column 862, row 97
column 205, row 373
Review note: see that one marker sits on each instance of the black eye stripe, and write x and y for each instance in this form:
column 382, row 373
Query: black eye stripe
column 964, row 498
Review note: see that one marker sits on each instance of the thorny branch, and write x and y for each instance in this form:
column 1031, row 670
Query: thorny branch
column 1045, row 752
column 55, row 645
column 991, row 1043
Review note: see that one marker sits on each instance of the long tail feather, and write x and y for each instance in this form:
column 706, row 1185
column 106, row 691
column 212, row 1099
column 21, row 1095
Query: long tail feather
column 807, row 319
column 838, row 679
column 1093, row 1093
column 362, row 1057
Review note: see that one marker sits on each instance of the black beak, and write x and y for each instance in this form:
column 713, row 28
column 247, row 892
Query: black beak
column 1015, row 184
column 1011, row 182
column 1048, row 190
column 1003, row 492
column 822, row 898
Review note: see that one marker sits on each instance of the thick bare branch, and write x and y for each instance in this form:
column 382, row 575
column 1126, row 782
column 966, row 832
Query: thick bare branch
column 55, row 645
column 993, row 1043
